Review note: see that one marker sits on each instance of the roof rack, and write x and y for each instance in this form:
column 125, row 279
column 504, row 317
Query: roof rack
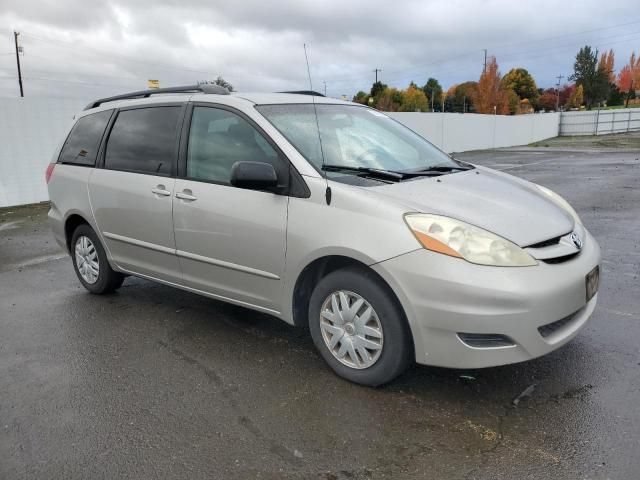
column 306, row 92
column 203, row 88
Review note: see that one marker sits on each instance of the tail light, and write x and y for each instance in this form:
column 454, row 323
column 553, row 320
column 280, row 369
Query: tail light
column 49, row 172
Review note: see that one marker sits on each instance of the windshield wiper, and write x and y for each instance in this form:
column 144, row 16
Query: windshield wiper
column 444, row 169
column 393, row 174
column 366, row 170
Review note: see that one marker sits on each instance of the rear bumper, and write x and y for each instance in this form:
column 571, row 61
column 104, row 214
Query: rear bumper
column 443, row 296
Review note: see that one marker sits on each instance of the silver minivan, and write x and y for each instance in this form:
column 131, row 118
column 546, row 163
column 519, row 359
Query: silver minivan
column 328, row 215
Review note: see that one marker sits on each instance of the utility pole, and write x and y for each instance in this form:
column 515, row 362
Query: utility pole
column 376, row 72
column 485, row 61
column 15, row 39
column 559, row 77
column 325, row 88
column 432, row 100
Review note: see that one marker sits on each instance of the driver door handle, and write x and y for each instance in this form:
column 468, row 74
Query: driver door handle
column 184, row 195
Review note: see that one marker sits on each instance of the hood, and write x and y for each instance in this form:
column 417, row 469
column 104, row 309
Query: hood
column 498, row 202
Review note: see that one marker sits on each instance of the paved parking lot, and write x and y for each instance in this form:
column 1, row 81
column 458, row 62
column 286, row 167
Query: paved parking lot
column 153, row 382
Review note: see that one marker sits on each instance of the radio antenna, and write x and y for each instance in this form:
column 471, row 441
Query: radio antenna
column 315, row 113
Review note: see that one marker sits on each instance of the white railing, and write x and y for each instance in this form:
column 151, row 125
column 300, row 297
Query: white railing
column 600, row 122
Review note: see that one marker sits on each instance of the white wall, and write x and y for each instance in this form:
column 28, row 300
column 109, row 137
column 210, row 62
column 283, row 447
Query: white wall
column 30, row 130
column 456, row 132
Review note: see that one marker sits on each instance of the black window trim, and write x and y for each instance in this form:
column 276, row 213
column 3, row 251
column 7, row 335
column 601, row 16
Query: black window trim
column 100, row 162
column 106, row 129
column 296, row 186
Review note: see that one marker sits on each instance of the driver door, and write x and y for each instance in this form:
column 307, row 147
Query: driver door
column 231, row 242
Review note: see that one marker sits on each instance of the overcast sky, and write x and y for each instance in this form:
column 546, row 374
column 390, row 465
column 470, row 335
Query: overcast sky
column 84, row 49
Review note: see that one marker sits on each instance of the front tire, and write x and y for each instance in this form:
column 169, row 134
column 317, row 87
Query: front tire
column 90, row 262
column 359, row 328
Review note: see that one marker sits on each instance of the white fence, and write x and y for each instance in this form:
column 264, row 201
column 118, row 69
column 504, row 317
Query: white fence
column 30, row 130
column 600, row 122
column 457, row 132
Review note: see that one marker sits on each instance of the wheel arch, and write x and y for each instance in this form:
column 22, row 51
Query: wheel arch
column 319, row 268
column 72, row 222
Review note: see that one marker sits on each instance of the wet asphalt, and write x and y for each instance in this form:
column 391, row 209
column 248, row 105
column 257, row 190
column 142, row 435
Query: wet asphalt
column 153, row 382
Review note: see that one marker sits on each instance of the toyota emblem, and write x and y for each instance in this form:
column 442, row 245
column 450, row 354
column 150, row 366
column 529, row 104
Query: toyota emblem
column 577, row 241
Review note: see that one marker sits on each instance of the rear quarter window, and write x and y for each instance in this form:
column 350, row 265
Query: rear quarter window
column 81, row 146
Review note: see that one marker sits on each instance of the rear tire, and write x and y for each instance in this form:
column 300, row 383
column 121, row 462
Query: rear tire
column 91, row 264
column 359, row 328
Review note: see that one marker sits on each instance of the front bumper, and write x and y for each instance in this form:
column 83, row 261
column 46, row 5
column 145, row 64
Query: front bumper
column 443, row 296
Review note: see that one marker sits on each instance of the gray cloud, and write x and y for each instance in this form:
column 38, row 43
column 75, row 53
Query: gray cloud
column 73, row 49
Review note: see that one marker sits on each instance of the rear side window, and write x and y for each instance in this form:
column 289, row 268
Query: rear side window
column 144, row 140
column 81, row 146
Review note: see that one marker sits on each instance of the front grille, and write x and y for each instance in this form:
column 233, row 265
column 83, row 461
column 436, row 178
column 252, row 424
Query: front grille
column 562, row 259
column 551, row 328
column 546, row 243
column 486, row 340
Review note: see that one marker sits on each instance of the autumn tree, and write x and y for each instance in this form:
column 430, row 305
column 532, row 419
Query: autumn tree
column 566, row 92
column 629, row 77
column 390, row 100
column 414, row 100
column 547, row 100
column 624, row 79
column 433, row 90
column 490, row 96
column 586, row 73
column 577, row 97
column 606, row 64
column 522, row 83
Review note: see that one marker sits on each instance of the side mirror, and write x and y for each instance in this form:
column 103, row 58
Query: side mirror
column 253, row 175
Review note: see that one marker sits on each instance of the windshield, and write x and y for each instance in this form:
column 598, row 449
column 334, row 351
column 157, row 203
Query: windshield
column 354, row 136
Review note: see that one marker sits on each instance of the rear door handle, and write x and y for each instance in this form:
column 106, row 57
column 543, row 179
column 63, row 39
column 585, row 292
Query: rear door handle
column 186, row 196
column 161, row 190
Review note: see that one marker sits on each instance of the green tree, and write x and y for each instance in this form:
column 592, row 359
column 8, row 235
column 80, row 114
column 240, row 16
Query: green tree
column 414, row 100
column 460, row 97
column 223, row 83
column 593, row 80
column 361, row 97
column 616, row 97
column 522, row 83
column 433, row 88
column 377, row 88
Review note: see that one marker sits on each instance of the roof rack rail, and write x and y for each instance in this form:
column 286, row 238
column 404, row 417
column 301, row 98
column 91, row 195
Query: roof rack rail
column 305, row 92
column 204, row 88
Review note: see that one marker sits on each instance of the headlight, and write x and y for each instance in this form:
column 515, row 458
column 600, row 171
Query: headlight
column 561, row 202
column 458, row 239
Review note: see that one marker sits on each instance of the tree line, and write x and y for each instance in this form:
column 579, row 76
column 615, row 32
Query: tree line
column 594, row 82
